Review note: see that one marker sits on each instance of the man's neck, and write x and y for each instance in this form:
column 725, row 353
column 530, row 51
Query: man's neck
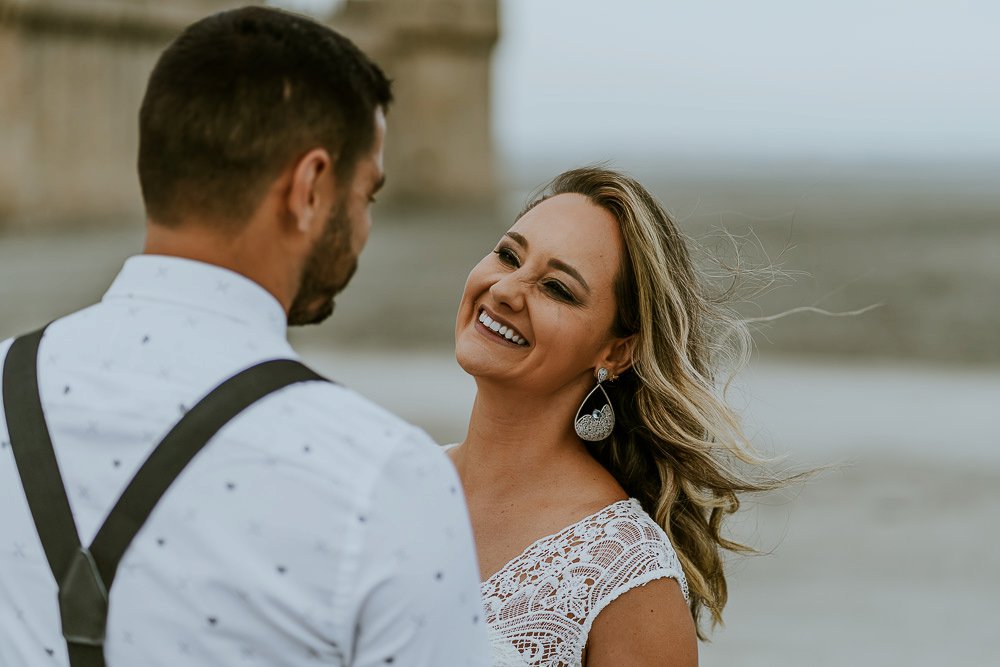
column 238, row 251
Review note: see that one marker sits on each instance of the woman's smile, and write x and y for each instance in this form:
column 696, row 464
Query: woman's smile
column 499, row 330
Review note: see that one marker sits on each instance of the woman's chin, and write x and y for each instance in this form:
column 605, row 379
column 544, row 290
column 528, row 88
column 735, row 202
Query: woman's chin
column 470, row 360
column 476, row 360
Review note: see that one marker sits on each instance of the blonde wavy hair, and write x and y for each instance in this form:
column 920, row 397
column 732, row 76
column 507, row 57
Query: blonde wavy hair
column 677, row 446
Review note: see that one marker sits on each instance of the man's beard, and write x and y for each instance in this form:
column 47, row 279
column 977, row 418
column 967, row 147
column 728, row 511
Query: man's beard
column 328, row 268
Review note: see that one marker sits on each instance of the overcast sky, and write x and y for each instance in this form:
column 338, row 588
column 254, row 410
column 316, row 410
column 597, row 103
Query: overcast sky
column 851, row 77
column 854, row 78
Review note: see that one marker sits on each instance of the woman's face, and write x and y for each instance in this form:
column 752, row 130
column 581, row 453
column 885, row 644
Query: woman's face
column 540, row 307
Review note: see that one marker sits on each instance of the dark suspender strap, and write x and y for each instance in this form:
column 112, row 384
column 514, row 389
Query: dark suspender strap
column 183, row 442
column 33, row 453
column 85, row 575
column 83, row 655
column 50, row 510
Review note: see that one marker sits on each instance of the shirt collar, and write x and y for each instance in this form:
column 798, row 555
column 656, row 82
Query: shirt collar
column 199, row 285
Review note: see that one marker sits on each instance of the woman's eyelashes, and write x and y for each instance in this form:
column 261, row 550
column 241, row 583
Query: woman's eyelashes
column 556, row 289
column 508, row 256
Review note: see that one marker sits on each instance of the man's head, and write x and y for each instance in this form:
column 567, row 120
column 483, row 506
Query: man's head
column 258, row 118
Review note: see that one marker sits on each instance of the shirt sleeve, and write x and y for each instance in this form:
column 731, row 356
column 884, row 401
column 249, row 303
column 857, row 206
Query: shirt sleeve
column 418, row 575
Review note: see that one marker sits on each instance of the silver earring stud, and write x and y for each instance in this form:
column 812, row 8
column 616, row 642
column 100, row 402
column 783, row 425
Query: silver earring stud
column 598, row 424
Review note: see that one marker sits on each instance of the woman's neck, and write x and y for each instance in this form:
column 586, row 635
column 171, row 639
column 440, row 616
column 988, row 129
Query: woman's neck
column 518, row 442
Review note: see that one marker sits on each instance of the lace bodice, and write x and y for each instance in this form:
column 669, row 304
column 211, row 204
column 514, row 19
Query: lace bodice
column 540, row 606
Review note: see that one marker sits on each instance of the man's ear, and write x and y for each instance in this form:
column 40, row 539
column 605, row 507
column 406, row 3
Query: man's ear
column 618, row 355
column 310, row 189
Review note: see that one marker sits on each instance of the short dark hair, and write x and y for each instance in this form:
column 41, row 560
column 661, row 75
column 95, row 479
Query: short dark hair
column 238, row 96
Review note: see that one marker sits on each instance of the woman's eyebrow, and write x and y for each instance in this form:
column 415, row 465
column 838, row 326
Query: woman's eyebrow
column 556, row 264
column 523, row 242
column 566, row 268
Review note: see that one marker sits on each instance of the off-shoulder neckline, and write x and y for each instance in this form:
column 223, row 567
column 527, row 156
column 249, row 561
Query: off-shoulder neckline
column 559, row 533
column 634, row 503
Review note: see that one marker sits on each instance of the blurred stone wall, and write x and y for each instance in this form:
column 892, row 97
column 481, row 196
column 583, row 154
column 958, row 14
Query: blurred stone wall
column 437, row 52
column 72, row 76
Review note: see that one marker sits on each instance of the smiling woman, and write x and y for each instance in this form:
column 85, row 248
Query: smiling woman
column 599, row 541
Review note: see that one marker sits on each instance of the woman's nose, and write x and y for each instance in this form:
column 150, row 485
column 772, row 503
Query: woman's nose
column 509, row 291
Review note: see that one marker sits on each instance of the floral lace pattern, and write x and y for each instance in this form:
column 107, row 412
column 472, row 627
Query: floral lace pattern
column 540, row 606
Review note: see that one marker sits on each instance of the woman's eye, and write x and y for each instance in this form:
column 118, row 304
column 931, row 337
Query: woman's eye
column 507, row 256
column 559, row 290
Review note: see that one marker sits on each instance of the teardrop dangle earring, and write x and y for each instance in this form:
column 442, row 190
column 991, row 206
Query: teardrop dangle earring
column 597, row 425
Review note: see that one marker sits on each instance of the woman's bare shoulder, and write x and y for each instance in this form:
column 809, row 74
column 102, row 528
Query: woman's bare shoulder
column 647, row 625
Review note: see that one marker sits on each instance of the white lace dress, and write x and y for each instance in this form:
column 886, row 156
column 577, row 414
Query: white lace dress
column 540, row 606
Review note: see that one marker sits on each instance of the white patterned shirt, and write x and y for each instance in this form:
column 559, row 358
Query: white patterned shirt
column 314, row 529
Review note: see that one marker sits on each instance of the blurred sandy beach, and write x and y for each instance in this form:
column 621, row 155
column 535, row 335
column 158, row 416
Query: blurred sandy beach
column 887, row 559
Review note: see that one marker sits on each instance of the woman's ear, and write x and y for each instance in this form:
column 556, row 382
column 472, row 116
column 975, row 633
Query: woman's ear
column 618, row 355
column 307, row 192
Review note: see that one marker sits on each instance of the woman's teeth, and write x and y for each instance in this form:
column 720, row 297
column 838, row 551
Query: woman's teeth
column 500, row 329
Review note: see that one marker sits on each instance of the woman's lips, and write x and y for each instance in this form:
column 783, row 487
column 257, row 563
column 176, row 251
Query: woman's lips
column 501, row 331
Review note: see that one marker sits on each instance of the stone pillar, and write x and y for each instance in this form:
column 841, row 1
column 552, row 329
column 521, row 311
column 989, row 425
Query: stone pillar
column 440, row 148
column 13, row 123
column 72, row 76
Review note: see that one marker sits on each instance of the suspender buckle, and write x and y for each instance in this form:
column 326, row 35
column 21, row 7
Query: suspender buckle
column 83, row 601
